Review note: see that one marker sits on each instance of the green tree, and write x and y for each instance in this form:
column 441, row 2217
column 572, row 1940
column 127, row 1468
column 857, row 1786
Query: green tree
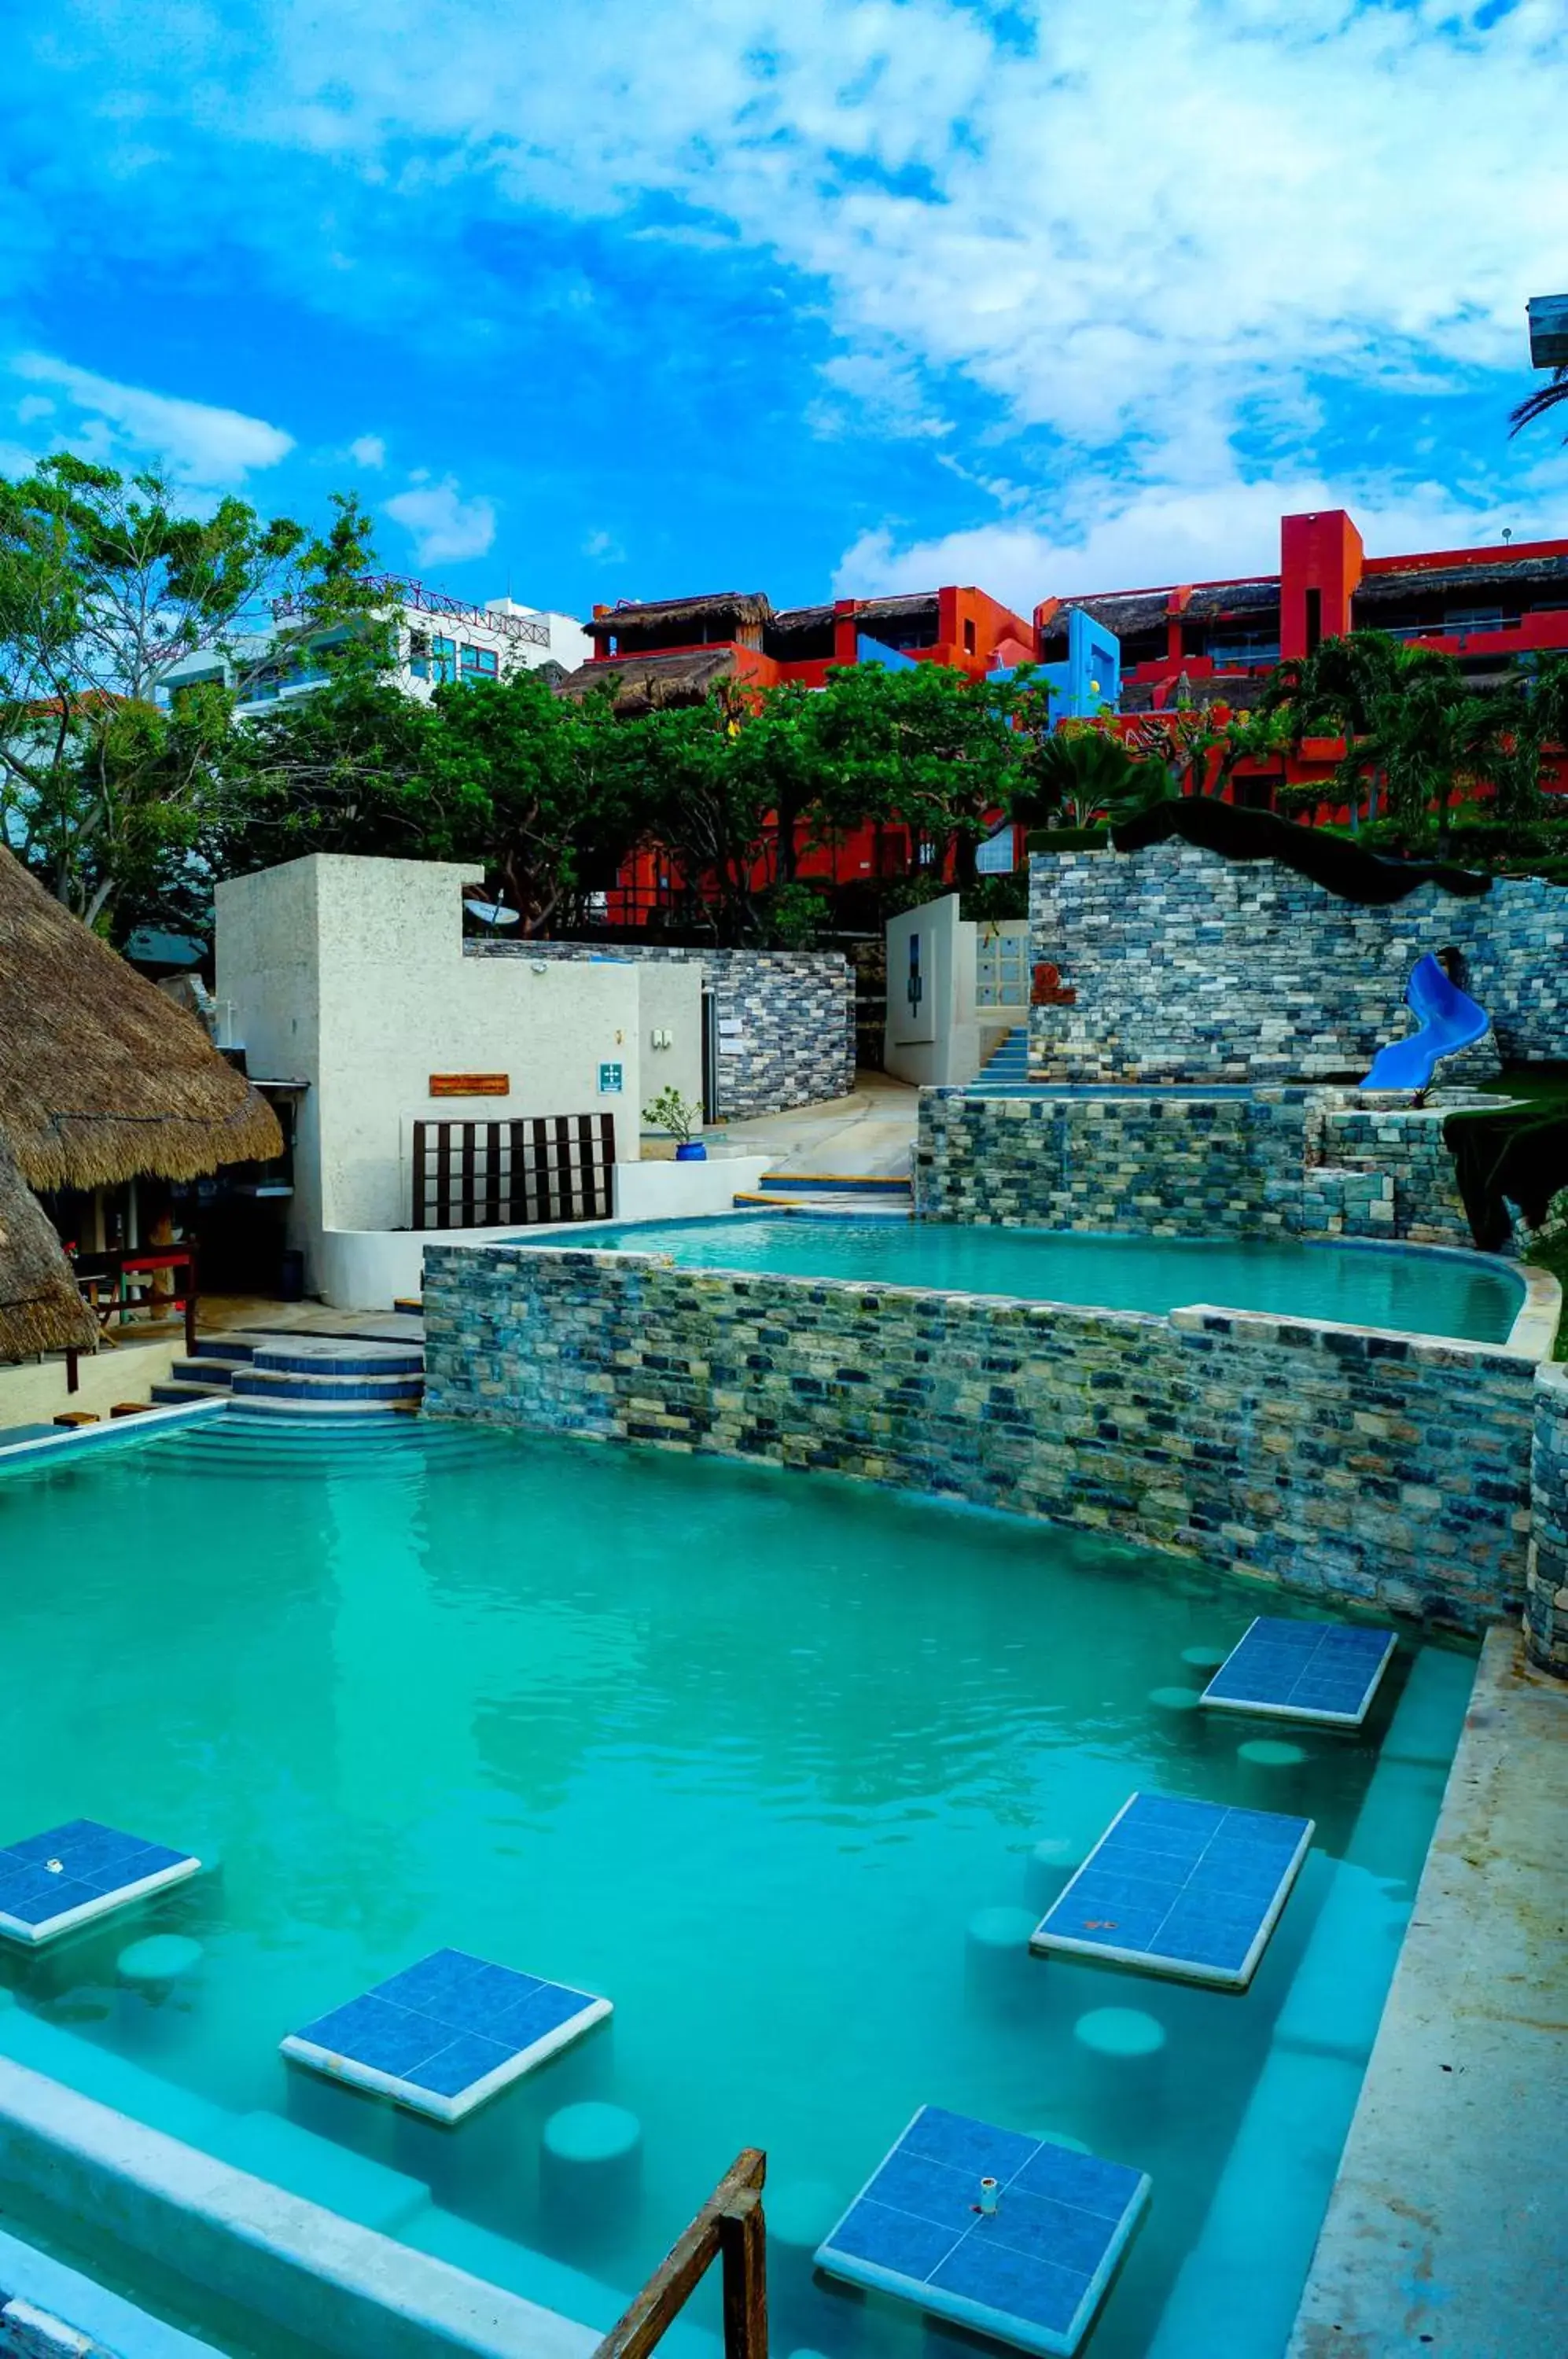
column 1541, row 403
column 1415, row 735
column 104, row 583
column 1088, row 775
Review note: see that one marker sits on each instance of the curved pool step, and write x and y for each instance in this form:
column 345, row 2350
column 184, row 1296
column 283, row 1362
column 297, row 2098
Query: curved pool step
column 312, row 1375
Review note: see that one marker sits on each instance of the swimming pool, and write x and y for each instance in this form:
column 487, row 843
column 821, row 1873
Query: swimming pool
column 754, row 1758
column 1403, row 1288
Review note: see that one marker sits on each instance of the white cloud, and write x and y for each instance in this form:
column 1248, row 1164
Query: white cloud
column 1160, row 533
column 603, row 545
column 205, row 448
column 368, row 450
column 445, row 527
column 32, row 407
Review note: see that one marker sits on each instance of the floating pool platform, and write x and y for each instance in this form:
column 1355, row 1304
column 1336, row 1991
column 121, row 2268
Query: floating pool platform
column 446, row 2034
column 52, row 1883
column 1190, row 1890
column 1009, row 2235
column 1324, row 1672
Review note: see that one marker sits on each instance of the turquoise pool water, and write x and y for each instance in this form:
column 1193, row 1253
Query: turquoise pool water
column 1417, row 1293
column 745, row 1751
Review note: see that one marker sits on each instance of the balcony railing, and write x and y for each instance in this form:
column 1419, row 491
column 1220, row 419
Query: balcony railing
column 527, row 630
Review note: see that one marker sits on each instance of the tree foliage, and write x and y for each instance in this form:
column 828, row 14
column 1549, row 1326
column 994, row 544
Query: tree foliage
column 104, row 583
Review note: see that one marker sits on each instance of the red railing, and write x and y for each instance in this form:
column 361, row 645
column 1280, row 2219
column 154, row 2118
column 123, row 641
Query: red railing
column 399, row 591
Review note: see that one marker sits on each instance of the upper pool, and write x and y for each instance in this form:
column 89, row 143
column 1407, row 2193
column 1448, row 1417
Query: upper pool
column 1401, row 1287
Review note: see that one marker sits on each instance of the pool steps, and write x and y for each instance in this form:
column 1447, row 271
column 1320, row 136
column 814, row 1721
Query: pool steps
column 861, row 1193
column 309, row 1374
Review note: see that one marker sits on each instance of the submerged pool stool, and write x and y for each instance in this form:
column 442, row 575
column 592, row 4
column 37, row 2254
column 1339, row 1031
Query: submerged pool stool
column 52, row 1883
column 1322, row 1671
column 1188, row 1889
column 1010, row 2236
column 442, row 2036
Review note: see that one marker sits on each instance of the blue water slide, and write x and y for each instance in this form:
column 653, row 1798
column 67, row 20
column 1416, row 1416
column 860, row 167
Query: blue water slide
column 1449, row 1019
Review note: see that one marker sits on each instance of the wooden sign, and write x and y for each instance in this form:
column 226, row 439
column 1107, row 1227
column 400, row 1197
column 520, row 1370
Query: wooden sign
column 470, row 1085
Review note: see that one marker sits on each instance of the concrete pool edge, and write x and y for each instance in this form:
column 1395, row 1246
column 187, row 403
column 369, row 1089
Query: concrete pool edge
column 339, row 2286
column 1453, row 2155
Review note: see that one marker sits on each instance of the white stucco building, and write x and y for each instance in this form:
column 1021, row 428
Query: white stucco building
column 347, row 978
column 438, row 638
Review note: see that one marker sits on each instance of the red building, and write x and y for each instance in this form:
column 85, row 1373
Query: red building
column 1214, row 643
column 673, row 650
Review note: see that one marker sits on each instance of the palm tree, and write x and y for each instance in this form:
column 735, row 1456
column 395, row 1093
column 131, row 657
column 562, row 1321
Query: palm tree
column 1088, row 774
column 1536, row 403
column 1404, row 712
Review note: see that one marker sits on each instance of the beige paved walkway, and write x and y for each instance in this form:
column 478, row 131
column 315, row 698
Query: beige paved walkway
column 870, row 1132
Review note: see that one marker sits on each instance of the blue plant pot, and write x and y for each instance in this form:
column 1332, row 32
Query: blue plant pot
column 692, row 1152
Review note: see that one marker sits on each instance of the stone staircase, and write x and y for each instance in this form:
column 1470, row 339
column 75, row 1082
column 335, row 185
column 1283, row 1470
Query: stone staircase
column 1005, row 1073
column 857, row 1192
column 305, row 1375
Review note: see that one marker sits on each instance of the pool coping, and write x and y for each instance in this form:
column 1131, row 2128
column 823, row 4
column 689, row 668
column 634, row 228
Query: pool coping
column 72, row 1439
column 1454, row 2154
column 345, row 2288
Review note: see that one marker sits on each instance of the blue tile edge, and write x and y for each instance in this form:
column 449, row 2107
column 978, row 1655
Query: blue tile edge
column 1000, row 2325
column 33, row 1936
column 1149, row 1961
column 74, row 1439
column 427, row 2101
column 1297, row 1712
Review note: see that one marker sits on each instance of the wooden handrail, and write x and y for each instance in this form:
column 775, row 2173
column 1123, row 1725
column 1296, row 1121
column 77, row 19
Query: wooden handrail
column 729, row 2224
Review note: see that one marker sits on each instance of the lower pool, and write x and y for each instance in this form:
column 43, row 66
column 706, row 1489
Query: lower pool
column 1371, row 1286
column 786, row 1767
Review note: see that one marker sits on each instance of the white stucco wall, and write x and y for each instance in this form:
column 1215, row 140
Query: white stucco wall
column 671, row 1001
column 936, row 1042
column 349, row 974
column 371, row 1269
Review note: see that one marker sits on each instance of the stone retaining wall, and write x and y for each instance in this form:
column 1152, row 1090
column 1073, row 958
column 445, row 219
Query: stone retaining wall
column 1287, row 1162
column 1546, row 1599
column 1158, row 1166
column 1186, row 966
column 1331, row 1460
column 785, row 1018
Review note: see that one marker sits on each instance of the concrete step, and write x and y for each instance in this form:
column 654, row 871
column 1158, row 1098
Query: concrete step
column 831, row 1183
column 286, row 1405
column 312, row 1358
column 187, row 1388
column 412, row 1306
column 279, row 1384
column 224, row 1347
column 207, row 1368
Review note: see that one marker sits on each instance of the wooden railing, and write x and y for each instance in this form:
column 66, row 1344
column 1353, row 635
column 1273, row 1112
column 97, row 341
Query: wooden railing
column 730, row 2226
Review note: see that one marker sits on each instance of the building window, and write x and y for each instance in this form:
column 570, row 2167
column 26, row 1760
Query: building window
column 968, row 638
column 998, row 855
column 479, row 663
column 443, row 659
column 419, row 654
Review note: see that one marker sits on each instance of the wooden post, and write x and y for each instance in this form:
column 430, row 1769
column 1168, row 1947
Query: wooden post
column 191, row 1308
column 744, row 2244
column 72, row 1374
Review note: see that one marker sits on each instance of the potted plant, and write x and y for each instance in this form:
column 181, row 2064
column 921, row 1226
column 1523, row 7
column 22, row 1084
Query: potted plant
column 680, row 1116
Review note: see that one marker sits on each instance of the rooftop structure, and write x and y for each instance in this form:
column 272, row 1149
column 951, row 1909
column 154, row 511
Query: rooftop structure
column 1488, row 607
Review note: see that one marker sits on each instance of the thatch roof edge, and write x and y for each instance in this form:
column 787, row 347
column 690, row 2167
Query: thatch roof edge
column 82, row 1149
column 41, row 1308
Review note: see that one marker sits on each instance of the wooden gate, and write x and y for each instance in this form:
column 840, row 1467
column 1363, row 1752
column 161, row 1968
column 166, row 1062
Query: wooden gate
column 511, row 1175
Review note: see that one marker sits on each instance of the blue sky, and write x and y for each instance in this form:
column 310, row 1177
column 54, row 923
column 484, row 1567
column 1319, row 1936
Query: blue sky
column 844, row 295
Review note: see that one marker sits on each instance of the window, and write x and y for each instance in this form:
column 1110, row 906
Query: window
column 479, row 663
column 968, row 638
column 419, row 654
column 998, row 855
column 443, row 659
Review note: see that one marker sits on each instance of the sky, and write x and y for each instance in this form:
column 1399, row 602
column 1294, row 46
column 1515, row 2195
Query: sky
column 818, row 296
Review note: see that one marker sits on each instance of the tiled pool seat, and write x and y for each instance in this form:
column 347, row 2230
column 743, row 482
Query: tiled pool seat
column 72, row 1875
column 307, row 1372
column 1031, row 2271
column 1326, row 1672
column 1189, row 1889
column 444, row 2035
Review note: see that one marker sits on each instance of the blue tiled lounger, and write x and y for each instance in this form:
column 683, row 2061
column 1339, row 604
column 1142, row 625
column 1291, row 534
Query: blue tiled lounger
column 52, row 1883
column 1304, row 1671
column 1032, row 2272
column 1189, row 1889
column 443, row 2035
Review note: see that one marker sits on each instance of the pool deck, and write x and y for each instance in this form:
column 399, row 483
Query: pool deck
column 1443, row 2233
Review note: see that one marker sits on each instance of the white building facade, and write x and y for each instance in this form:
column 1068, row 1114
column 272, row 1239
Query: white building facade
column 438, row 638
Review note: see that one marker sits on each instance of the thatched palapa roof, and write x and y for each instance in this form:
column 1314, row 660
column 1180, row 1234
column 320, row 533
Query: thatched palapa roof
column 41, row 1308
column 740, row 608
column 1422, row 581
column 101, row 1078
column 639, row 684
